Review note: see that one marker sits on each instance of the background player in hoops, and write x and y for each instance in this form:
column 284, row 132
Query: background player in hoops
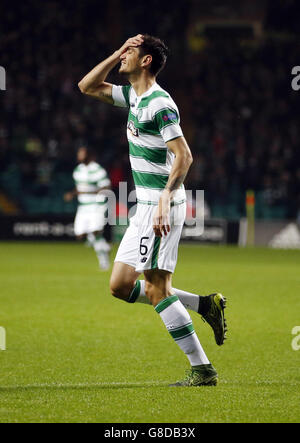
column 160, row 159
column 90, row 179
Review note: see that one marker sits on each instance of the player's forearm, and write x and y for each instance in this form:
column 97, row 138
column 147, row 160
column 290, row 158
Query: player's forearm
column 98, row 75
column 179, row 171
column 181, row 165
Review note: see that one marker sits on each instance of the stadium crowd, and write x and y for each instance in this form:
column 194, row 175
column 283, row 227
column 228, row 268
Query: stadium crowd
column 238, row 110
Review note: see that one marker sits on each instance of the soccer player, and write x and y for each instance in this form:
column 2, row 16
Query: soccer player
column 90, row 181
column 160, row 159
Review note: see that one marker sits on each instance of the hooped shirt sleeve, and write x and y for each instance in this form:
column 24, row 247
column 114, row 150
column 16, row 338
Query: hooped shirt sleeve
column 100, row 177
column 167, row 120
column 104, row 182
column 120, row 96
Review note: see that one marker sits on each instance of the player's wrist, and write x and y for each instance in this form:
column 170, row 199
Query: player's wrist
column 117, row 54
column 165, row 200
column 166, row 194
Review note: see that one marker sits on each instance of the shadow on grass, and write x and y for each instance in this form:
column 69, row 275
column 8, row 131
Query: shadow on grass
column 82, row 386
column 125, row 385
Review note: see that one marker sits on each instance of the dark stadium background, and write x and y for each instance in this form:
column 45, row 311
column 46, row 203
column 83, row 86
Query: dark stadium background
column 229, row 72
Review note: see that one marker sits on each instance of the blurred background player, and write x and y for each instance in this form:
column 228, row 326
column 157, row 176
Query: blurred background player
column 91, row 180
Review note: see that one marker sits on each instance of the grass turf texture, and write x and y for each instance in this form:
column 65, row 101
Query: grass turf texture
column 75, row 354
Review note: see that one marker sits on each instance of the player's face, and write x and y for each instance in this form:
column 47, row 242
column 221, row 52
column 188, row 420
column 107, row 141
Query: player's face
column 130, row 61
column 82, row 155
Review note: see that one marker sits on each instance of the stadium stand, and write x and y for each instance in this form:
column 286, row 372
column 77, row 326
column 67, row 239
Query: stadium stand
column 238, row 110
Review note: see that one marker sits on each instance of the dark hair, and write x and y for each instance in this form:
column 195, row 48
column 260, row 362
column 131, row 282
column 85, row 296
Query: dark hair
column 157, row 49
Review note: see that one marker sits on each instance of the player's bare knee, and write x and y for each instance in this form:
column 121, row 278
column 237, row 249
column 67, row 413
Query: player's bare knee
column 154, row 293
column 122, row 292
column 157, row 285
column 116, row 291
column 149, row 290
column 150, row 293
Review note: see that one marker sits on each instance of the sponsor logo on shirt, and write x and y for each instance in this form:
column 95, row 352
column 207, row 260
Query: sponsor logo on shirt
column 170, row 116
column 134, row 131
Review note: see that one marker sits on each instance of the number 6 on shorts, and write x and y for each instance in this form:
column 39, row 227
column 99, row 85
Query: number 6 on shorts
column 143, row 248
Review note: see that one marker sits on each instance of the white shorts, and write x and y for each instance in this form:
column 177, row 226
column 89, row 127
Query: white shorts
column 89, row 218
column 140, row 248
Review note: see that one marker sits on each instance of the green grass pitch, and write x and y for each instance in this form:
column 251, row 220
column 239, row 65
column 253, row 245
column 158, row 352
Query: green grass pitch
column 75, row 354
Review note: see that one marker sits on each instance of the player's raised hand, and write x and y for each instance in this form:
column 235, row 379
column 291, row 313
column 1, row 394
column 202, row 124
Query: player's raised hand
column 131, row 42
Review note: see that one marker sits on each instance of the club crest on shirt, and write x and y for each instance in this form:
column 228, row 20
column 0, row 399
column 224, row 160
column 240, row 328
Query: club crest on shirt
column 134, row 131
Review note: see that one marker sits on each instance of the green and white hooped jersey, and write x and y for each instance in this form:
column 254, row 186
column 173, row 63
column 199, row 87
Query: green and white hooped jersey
column 90, row 178
column 153, row 120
